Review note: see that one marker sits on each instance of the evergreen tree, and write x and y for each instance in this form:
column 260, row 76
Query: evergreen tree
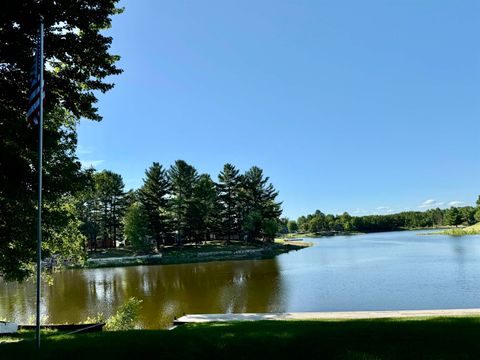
column 453, row 217
column 228, row 189
column 206, row 208
column 154, row 197
column 183, row 180
column 259, row 199
column 87, row 208
column 110, row 192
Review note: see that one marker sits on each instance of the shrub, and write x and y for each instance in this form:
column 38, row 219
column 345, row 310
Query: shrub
column 126, row 316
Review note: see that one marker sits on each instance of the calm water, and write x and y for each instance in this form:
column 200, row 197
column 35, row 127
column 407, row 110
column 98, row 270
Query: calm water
column 397, row 270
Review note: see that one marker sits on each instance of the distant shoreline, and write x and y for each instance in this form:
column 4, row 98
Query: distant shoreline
column 351, row 233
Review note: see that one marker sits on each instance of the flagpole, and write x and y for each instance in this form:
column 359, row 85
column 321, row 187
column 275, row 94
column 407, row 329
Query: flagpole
column 40, row 171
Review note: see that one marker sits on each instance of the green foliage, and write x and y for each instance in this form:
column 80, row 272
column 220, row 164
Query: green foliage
column 269, row 229
column 66, row 243
column 183, row 179
column 252, row 224
column 126, row 316
column 109, row 191
column 477, row 215
column 136, row 227
column 292, row 226
column 99, row 318
column 453, row 217
column 206, row 208
column 318, row 222
column 467, row 215
column 229, row 194
column 78, row 61
column 153, row 196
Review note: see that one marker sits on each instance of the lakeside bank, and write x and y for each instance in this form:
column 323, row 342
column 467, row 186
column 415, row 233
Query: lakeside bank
column 468, row 230
column 192, row 254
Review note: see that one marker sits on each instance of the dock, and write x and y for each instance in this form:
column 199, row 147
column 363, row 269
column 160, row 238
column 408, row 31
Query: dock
column 335, row 315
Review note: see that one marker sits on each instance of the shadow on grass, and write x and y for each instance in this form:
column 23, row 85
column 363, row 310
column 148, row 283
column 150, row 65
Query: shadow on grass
column 437, row 338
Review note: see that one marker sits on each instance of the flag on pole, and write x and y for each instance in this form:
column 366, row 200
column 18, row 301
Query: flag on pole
column 35, row 116
column 33, row 113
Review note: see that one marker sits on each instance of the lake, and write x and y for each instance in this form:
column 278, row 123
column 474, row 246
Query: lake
column 382, row 271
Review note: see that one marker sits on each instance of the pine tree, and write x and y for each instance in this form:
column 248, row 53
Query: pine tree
column 183, row 179
column 228, row 189
column 153, row 195
column 206, row 208
column 110, row 192
column 259, row 200
column 87, row 208
column 453, row 217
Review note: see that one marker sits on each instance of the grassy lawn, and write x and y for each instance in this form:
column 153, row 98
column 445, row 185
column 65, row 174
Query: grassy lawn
column 437, row 338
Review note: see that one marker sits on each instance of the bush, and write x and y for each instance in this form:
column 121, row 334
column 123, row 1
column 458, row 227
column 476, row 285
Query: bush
column 99, row 318
column 126, row 316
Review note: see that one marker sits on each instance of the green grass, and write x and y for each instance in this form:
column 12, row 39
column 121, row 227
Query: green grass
column 434, row 338
column 297, row 243
column 469, row 230
column 299, row 235
column 236, row 250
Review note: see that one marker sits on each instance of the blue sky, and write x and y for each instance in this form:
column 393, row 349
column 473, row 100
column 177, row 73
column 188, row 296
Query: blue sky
column 359, row 106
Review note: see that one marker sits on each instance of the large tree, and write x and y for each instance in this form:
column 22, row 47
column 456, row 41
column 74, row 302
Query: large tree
column 136, row 227
column 206, row 208
column 183, row 179
column 109, row 189
column 259, row 202
column 78, row 60
column 89, row 212
column 453, row 217
column 154, row 197
column 229, row 193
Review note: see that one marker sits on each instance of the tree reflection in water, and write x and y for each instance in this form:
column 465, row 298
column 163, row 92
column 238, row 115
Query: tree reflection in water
column 167, row 291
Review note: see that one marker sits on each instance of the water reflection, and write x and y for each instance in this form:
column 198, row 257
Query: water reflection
column 166, row 291
column 384, row 271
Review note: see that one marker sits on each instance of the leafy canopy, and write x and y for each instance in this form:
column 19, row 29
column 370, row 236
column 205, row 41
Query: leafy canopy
column 78, row 62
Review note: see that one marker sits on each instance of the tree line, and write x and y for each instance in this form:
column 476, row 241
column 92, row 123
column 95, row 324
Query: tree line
column 319, row 222
column 177, row 206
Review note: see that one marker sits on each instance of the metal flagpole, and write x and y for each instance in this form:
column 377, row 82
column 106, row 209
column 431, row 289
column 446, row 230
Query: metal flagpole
column 40, row 171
